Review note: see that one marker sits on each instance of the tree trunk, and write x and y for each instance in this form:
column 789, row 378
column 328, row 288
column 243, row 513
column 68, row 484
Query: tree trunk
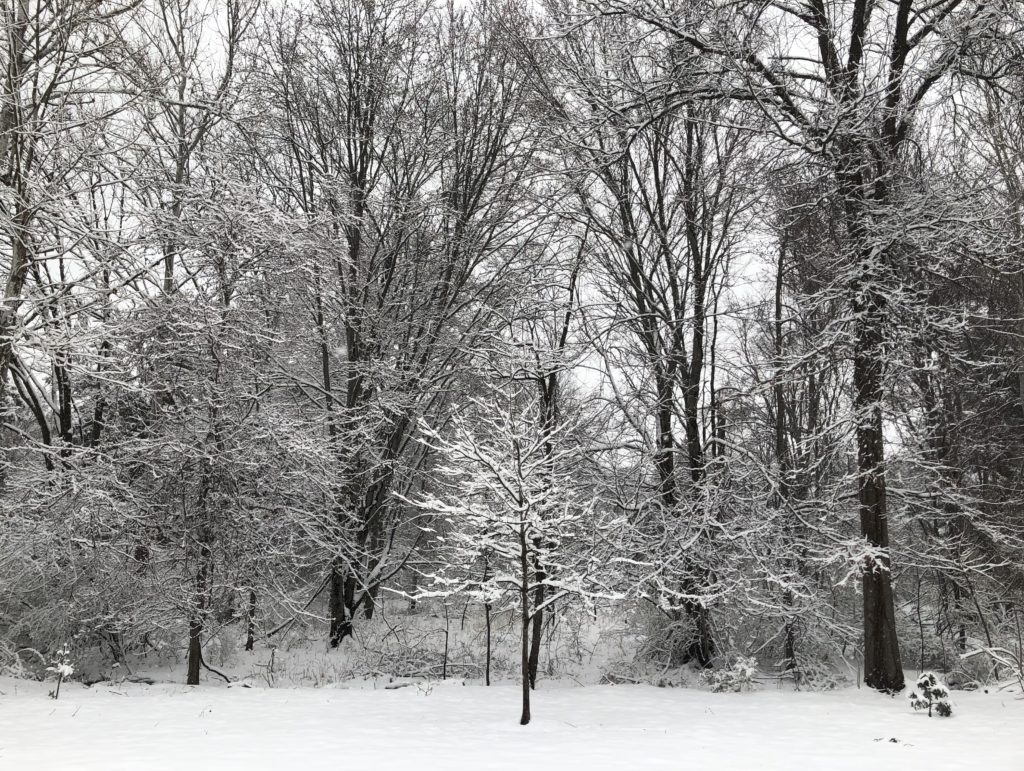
column 447, row 638
column 782, row 455
column 701, row 648
column 487, row 625
column 524, row 597
column 196, row 621
column 882, row 667
column 250, row 625
column 341, row 622
column 539, row 593
column 789, row 649
column 13, row 142
column 487, row 659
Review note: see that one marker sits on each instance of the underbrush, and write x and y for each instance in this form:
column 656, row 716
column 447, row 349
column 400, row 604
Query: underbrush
column 434, row 641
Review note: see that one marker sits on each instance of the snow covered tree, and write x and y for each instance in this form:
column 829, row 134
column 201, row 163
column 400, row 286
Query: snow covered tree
column 852, row 101
column 933, row 695
column 660, row 183
column 397, row 129
column 508, row 491
column 730, row 289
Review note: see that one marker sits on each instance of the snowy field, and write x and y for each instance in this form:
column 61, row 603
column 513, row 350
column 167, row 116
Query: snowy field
column 453, row 726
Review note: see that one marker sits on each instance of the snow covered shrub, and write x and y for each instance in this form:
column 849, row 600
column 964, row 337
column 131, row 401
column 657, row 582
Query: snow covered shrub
column 968, row 674
column 62, row 668
column 663, row 639
column 933, row 695
column 817, row 674
column 993, row 664
column 741, row 676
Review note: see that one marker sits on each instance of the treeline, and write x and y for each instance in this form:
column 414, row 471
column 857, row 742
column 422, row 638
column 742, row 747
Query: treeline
column 714, row 311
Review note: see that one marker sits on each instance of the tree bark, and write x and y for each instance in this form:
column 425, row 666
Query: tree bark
column 198, row 617
column 524, row 597
column 487, row 627
column 250, row 623
column 883, row 669
column 539, row 593
column 340, row 619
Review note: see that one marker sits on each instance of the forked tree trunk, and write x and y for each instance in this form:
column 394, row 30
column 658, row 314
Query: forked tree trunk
column 700, row 648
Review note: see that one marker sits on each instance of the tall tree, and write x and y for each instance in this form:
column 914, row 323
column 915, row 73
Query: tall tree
column 852, row 100
column 400, row 128
column 657, row 182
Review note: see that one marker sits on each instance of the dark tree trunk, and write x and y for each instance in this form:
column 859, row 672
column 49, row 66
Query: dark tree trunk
column 882, row 666
column 789, row 650
column 370, row 601
column 197, row 619
column 958, row 607
column 540, row 575
column 782, row 455
column 883, row 669
column 20, row 259
column 524, row 597
column 669, row 496
column 549, row 392
column 487, row 626
column 701, row 648
column 447, row 638
column 338, row 607
column 374, row 547
column 201, row 600
column 487, row 659
column 250, row 624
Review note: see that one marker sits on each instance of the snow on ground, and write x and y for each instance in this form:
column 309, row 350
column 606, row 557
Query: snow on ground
column 453, row 726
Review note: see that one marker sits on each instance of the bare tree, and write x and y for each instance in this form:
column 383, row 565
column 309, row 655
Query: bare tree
column 656, row 179
column 401, row 129
column 851, row 100
column 509, row 492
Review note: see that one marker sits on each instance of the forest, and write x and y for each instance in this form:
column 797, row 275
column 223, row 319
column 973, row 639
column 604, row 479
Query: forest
column 701, row 319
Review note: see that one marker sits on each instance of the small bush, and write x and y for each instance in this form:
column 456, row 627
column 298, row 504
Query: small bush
column 817, row 674
column 741, row 676
column 62, row 668
column 931, row 694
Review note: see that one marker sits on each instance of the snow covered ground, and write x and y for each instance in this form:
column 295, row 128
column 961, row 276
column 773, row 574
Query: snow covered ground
column 452, row 726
